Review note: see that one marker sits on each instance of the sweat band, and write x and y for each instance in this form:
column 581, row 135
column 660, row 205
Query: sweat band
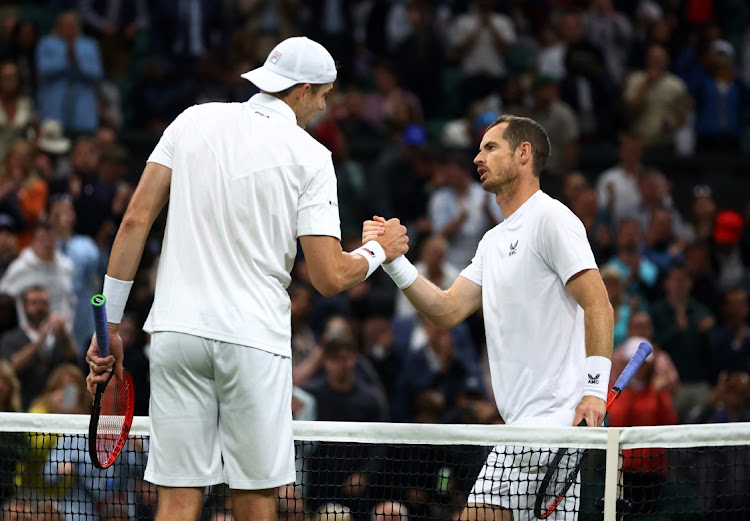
column 403, row 272
column 116, row 292
column 373, row 253
column 597, row 376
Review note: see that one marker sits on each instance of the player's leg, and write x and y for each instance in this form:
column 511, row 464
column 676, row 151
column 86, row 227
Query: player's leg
column 255, row 427
column 178, row 504
column 184, row 450
column 249, row 505
column 483, row 512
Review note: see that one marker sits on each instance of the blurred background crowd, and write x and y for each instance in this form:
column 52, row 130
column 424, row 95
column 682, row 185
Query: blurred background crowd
column 645, row 102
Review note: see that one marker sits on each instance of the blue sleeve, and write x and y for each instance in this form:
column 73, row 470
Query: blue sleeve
column 51, row 59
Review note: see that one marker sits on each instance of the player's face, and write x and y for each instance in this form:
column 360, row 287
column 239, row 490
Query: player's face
column 312, row 103
column 496, row 163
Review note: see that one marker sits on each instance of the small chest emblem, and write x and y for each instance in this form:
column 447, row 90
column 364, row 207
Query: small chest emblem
column 513, row 248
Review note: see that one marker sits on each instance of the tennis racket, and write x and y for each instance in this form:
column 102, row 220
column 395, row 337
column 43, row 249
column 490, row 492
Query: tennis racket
column 562, row 471
column 112, row 413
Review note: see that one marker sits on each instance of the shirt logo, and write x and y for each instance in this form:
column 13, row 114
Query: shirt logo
column 275, row 55
column 333, row 203
column 513, row 250
column 261, row 114
column 594, row 380
column 372, row 253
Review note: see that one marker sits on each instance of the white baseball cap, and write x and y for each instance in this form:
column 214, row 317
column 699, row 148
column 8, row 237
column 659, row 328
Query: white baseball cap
column 295, row 60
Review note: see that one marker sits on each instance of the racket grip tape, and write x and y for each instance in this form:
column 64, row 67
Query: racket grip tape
column 644, row 349
column 100, row 320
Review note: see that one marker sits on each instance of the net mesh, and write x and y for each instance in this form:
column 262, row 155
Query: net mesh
column 382, row 473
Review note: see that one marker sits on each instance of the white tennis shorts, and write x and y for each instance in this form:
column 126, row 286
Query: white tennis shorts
column 510, row 478
column 219, row 413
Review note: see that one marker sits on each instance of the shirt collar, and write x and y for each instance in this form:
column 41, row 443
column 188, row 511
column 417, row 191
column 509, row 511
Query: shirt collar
column 274, row 104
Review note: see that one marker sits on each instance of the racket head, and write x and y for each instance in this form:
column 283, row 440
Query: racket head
column 111, row 418
column 560, row 476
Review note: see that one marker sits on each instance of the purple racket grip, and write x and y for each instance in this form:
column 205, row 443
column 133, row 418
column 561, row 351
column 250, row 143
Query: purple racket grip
column 644, row 349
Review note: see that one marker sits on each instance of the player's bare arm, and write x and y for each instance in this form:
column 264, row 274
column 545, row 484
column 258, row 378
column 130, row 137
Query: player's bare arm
column 333, row 270
column 147, row 202
column 587, row 288
column 442, row 308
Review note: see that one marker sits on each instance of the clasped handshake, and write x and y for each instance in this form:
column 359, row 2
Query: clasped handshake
column 390, row 234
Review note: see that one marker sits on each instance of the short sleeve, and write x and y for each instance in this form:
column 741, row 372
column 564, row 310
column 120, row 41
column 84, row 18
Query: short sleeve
column 473, row 271
column 318, row 211
column 563, row 243
column 163, row 153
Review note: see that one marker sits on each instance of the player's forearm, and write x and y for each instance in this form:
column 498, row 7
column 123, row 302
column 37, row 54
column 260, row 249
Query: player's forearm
column 599, row 326
column 127, row 248
column 348, row 271
column 435, row 304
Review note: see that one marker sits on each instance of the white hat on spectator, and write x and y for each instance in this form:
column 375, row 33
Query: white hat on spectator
column 52, row 138
column 295, row 60
column 723, row 46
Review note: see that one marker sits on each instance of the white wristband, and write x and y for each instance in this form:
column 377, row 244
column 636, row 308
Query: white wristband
column 116, row 294
column 373, row 253
column 403, row 272
column 597, row 376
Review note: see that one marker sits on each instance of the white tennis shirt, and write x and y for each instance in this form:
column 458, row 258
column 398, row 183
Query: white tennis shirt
column 246, row 183
column 534, row 327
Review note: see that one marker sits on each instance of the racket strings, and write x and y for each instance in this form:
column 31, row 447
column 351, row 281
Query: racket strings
column 564, row 475
column 116, row 402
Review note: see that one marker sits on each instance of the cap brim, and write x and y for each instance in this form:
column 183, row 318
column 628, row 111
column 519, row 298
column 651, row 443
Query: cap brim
column 268, row 81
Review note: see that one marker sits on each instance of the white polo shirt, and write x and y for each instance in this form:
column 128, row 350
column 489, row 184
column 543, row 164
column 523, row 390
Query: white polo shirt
column 246, row 183
column 534, row 327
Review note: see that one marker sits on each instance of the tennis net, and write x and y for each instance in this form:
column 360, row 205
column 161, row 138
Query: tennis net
column 408, row 472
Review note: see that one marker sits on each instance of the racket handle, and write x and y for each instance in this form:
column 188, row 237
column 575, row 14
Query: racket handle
column 102, row 328
column 635, row 363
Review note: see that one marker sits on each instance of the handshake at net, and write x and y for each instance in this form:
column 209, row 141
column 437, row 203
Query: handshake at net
column 390, row 234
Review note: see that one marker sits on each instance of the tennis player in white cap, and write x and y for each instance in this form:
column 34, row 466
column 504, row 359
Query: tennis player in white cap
column 244, row 182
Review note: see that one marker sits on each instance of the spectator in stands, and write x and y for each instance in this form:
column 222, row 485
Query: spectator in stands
column 389, row 511
column 89, row 265
column 720, row 101
column 19, row 175
column 705, row 288
column 480, row 40
column 700, row 223
column 8, row 313
column 365, row 140
column 52, row 147
column 617, row 187
column 682, row 327
column 464, row 133
column 656, row 101
column 662, row 246
column 381, row 104
column 42, row 264
column 558, row 120
column 114, row 24
column 731, row 338
column 665, row 373
column 36, row 348
column 640, row 404
column 621, row 306
column 573, row 184
column 612, row 32
column 639, row 275
column 330, row 23
column 17, row 116
column 307, row 356
column 333, row 512
column 655, row 193
column 729, row 400
column 434, row 266
column 12, row 444
column 586, row 86
column 17, row 509
column 728, row 263
column 597, row 222
column 461, row 211
column 137, row 362
column 70, row 68
column 400, row 180
column 22, row 51
column 335, row 471
column 434, row 366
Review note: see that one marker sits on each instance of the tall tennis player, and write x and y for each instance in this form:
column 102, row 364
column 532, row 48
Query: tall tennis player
column 548, row 321
column 244, row 182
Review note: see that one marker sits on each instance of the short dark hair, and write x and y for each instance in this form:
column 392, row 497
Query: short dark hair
column 335, row 345
column 521, row 130
column 282, row 94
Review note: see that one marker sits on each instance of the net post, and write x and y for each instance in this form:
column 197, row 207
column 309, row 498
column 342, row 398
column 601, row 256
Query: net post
column 611, row 474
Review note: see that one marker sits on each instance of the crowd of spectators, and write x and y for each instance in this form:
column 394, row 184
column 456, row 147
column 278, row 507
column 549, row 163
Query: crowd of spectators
column 87, row 85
